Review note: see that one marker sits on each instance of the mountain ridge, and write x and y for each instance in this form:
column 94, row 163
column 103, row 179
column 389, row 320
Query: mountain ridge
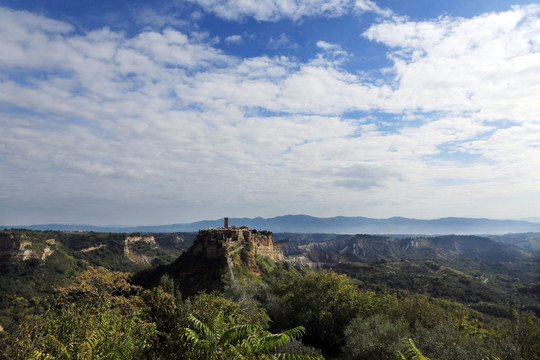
column 336, row 225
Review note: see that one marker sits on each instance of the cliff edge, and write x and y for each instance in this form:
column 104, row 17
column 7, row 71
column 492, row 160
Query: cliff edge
column 217, row 256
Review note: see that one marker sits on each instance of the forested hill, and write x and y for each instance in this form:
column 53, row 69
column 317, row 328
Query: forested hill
column 470, row 269
column 370, row 248
column 34, row 263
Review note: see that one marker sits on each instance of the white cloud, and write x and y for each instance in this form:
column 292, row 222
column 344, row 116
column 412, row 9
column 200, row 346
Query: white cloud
column 282, row 41
column 159, row 18
column 274, row 10
column 481, row 64
column 327, row 46
column 371, row 6
column 174, row 48
column 24, row 36
column 234, row 39
column 21, row 23
column 331, row 53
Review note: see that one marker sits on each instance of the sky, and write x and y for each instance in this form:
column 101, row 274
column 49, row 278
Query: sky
column 159, row 112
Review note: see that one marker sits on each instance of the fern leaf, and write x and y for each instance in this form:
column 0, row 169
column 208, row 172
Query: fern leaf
column 411, row 351
column 283, row 356
column 58, row 346
column 38, row 355
column 87, row 348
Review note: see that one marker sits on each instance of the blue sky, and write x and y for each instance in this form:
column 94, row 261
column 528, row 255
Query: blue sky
column 141, row 113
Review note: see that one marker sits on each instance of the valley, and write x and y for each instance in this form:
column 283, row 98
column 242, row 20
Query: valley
column 491, row 278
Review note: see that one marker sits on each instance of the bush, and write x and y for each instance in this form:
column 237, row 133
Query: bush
column 324, row 303
column 376, row 337
column 99, row 316
column 445, row 341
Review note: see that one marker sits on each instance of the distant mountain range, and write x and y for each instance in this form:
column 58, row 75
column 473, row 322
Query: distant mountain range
column 333, row 225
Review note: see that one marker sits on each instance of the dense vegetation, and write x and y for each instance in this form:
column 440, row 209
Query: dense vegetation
column 478, row 272
column 34, row 263
column 102, row 316
column 443, row 309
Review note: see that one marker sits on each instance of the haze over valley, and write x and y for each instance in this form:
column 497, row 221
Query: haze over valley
column 335, row 225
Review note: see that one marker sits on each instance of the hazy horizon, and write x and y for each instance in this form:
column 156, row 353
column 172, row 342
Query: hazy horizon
column 121, row 226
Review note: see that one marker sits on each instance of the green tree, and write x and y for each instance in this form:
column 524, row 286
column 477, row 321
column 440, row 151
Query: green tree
column 419, row 310
column 206, row 306
column 411, row 352
column 525, row 332
column 100, row 316
column 248, row 294
column 376, row 337
column 446, row 341
column 324, row 303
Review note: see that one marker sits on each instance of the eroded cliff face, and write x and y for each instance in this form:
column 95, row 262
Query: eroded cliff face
column 25, row 249
column 221, row 254
column 214, row 243
column 272, row 251
column 134, row 239
column 134, row 256
column 217, row 241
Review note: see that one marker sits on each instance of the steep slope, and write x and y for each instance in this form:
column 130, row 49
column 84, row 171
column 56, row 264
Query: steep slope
column 217, row 256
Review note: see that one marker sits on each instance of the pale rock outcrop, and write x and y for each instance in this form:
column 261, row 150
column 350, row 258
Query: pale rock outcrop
column 25, row 253
column 133, row 239
column 135, row 257
column 92, row 248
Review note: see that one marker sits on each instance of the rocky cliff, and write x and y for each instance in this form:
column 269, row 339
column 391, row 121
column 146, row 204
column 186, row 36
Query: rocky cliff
column 217, row 256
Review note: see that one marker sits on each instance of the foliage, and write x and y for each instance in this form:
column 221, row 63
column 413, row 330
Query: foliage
column 102, row 315
column 206, row 307
column 248, row 295
column 272, row 271
column 468, row 326
column 525, row 333
column 446, row 341
column 411, row 352
column 375, row 337
column 419, row 310
column 324, row 303
column 215, row 340
column 298, row 347
column 98, row 317
column 437, row 278
column 34, row 263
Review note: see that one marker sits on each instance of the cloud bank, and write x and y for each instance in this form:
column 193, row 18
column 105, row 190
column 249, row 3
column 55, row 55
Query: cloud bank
column 166, row 125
